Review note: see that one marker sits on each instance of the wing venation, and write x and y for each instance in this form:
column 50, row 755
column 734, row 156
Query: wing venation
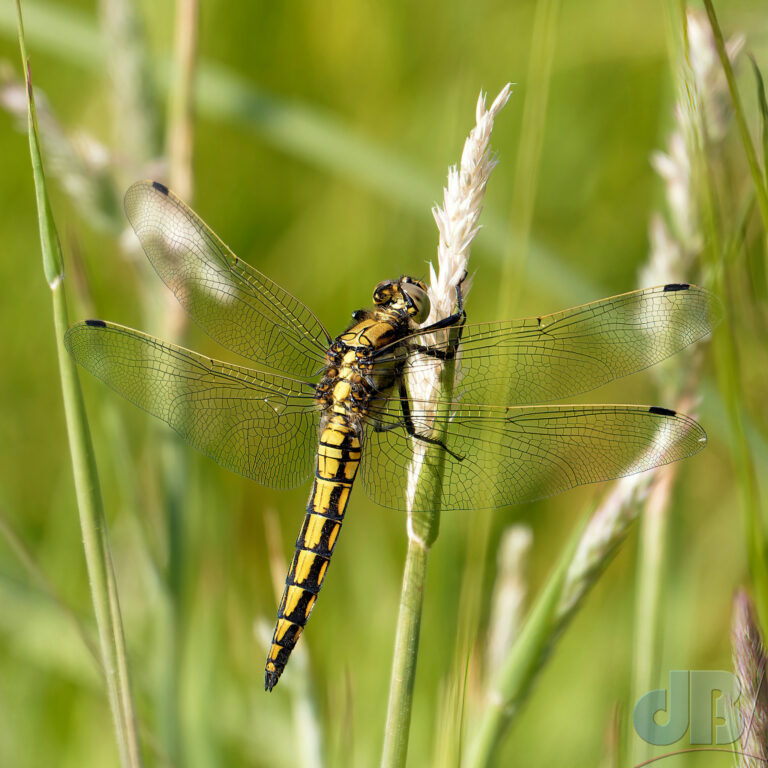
column 504, row 456
column 260, row 425
column 541, row 359
column 234, row 303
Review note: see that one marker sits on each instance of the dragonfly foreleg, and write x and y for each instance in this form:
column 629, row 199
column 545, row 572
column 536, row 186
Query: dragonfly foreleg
column 457, row 320
column 410, row 427
column 380, row 426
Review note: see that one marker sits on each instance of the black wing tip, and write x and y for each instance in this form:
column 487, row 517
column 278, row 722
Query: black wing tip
column 95, row 323
column 659, row 411
column 139, row 189
column 677, row 286
column 693, row 429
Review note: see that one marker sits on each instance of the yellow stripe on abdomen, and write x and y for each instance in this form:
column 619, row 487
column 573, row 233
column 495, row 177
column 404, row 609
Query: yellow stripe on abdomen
column 338, row 458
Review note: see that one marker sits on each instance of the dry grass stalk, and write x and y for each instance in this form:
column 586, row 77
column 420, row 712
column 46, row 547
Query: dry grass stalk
column 457, row 223
column 749, row 665
column 509, row 593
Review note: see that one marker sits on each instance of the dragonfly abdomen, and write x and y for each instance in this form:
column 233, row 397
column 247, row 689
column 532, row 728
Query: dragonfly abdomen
column 338, row 458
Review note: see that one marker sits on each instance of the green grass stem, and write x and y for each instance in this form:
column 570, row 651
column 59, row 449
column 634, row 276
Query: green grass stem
column 30, row 565
column 307, row 133
column 526, row 657
column 719, row 250
column 173, row 460
column 134, row 105
column 539, row 76
column 653, row 520
column 423, row 529
column 763, row 104
column 181, row 101
column 92, row 522
column 754, row 166
column 406, row 653
column 649, row 591
column 516, row 247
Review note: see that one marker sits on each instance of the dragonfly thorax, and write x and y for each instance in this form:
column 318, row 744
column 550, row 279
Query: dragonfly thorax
column 353, row 375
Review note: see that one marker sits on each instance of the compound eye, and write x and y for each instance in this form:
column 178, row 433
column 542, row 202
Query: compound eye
column 419, row 301
column 382, row 293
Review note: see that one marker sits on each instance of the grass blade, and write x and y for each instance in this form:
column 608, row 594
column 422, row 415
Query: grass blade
column 539, row 75
column 46, row 587
column 305, row 132
column 741, row 119
column 134, row 106
column 761, row 100
column 97, row 552
column 181, row 102
column 525, row 658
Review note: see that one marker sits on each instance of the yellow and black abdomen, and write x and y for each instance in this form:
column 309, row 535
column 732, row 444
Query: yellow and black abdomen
column 338, row 458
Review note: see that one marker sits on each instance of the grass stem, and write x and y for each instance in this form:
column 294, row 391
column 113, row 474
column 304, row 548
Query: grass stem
column 406, row 652
column 173, row 461
column 741, row 120
column 97, row 552
column 725, row 342
column 541, row 58
column 135, row 121
column 181, row 103
column 649, row 593
column 457, row 223
column 30, row 565
column 423, row 527
column 509, row 688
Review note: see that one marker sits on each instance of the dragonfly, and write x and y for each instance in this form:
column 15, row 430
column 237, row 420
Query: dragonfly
column 332, row 408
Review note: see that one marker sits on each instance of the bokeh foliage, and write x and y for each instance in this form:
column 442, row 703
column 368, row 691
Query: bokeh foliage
column 322, row 140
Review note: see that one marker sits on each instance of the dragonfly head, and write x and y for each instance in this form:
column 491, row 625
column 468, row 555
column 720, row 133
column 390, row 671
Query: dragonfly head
column 406, row 293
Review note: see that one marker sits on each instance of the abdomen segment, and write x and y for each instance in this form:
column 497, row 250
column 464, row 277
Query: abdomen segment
column 337, row 462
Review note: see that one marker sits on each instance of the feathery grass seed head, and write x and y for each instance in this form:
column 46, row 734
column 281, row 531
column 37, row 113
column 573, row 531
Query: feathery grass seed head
column 749, row 665
column 457, row 224
column 509, row 594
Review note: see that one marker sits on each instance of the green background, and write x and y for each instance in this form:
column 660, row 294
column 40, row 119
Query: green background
column 323, row 138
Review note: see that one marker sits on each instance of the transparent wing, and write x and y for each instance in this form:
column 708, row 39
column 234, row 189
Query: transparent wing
column 234, row 303
column 260, row 425
column 539, row 359
column 512, row 455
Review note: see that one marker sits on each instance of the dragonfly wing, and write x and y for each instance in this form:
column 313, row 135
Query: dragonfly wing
column 502, row 456
column 234, row 303
column 260, row 425
column 540, row 359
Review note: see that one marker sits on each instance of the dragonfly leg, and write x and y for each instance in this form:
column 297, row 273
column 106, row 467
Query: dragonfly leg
column 410, row 427
column 457, row 319
column 379, row 426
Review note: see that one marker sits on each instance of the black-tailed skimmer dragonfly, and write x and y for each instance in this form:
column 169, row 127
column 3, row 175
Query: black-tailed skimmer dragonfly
column 332, row 407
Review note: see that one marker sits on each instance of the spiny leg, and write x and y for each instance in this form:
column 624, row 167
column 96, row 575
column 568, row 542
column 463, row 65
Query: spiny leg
column 457, row 320
column 410, row 428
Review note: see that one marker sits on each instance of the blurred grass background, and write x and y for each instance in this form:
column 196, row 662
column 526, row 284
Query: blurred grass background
column 322, row 139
